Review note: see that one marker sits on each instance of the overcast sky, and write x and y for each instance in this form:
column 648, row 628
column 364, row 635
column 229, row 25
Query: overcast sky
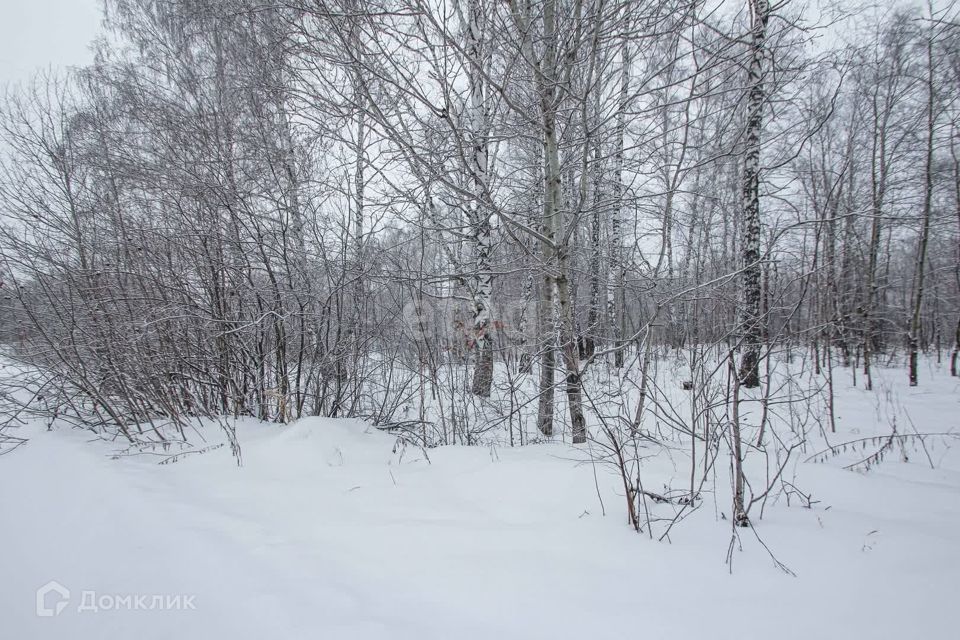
column 41, row 33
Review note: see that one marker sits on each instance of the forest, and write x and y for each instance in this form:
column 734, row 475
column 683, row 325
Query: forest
column 713, row 232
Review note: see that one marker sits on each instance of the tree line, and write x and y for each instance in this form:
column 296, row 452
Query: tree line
column 363, row 208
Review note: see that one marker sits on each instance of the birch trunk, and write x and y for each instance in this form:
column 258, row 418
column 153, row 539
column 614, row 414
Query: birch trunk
column 914, row 336
column 615, row 287
column 479, row 214
column 751, row 315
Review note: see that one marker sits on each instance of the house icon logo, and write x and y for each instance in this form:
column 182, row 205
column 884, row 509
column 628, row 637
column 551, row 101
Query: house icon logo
column 52, row 599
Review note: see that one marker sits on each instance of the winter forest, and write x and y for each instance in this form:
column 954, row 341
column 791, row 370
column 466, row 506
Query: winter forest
column 686, row 269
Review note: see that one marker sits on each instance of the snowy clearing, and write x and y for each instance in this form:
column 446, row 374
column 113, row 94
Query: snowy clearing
column 325, row 531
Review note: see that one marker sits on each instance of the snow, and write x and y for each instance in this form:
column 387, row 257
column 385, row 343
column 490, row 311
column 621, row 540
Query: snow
column 326, row 531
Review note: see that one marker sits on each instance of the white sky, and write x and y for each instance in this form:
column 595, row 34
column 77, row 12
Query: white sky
column 36, row 34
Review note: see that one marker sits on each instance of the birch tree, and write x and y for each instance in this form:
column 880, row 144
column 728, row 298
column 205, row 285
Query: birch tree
column 751, row 317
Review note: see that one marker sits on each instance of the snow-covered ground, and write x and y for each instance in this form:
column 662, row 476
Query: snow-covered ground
column 326, row 532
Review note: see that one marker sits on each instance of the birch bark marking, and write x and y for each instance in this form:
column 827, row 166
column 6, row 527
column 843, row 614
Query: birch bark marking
column 751, row 317
column 479, row 214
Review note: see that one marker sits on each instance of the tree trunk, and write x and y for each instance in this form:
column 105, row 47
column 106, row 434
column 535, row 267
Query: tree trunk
column 479, row 214
column 615, row 286
column 751, row 314
column 914, row 336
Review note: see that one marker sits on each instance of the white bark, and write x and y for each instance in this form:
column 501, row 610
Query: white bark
column 479, row 213
column 615, row 287
column 751, row 312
